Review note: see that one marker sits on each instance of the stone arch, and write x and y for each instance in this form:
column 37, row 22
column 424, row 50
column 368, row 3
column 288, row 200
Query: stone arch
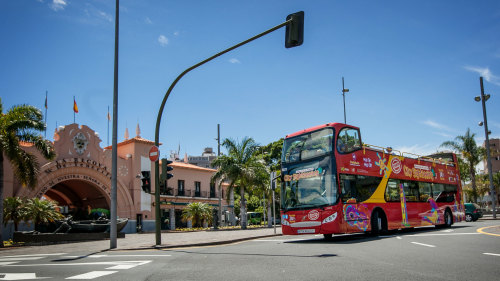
column 96, row 182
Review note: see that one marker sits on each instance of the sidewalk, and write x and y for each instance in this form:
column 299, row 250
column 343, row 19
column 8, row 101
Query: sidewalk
column 148, row 240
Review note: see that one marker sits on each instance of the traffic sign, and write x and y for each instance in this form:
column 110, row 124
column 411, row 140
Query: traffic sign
column 154, row 153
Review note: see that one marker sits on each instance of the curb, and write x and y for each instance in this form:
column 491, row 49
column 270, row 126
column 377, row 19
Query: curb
column 201, row 244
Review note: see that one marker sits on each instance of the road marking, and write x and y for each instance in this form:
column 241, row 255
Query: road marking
column 128, row 264
column 114, row 256
column 21, row 259
column 92, row 275
column 443, row 234
column 491, row 254
column 18, row 256
column 481, row 230
column 426, row 245
column 19, row 276
column 399, row 237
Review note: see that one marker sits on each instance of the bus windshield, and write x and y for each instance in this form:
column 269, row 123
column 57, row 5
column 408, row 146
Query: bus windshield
column 309, row 185
column 307, row 146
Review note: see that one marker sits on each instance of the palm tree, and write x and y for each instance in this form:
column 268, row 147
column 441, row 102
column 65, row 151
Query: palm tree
column 239, row 167
column 197, row 212
column 471, row 154
column 21, row 123
column 41, row 211
column 13, row 209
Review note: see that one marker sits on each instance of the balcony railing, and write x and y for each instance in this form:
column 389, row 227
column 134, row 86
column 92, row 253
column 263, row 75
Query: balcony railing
column 190, row 193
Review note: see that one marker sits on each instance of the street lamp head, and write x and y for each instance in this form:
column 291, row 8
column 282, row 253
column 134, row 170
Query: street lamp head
column 486, row 97
column 480, row 123
column 478, row 98
column 345, row 90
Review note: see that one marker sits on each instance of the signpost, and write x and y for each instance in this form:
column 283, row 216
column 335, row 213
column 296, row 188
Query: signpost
column 154, row 153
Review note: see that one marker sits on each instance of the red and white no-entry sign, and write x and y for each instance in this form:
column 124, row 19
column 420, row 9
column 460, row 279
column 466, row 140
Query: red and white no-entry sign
column 154, row 153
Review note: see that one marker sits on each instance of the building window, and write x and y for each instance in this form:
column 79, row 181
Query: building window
column 212, row 190
column 197, row 189
column 180, row 187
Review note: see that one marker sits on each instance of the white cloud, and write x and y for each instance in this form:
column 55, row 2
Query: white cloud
column 234, row 60
column 148, row 20
column 436, row 125
column 105, row 16
column 176, row 33
column 485, row 72
column 423, row 150
column 163, row 40
column 58, row 5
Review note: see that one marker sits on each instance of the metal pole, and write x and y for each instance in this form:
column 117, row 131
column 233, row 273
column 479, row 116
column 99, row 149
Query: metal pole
column 274, row 215
column 112, row 234
column 488, row 160
column 162, row 106
column 343, row 97
column 220, row 182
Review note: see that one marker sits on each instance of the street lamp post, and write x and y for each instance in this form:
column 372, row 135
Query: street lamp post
column 344, row 90
column 483, row 98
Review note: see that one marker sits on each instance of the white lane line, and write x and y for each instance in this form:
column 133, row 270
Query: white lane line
column 399, row 237
column 491, row 254
column 422, row 244
column 112, row 263
column 92, row 275
column 20, row 276
column 112, row 256
column 39, row 255
column 444, row 234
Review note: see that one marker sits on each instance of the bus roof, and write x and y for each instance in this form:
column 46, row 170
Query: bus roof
column 315, row 128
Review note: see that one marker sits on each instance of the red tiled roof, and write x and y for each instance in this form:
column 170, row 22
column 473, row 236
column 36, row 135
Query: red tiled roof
column 191, row 166
column 135, row 139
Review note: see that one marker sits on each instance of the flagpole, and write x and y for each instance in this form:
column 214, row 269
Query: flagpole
column 46, row 93
column 74, row 113
column 108, row 117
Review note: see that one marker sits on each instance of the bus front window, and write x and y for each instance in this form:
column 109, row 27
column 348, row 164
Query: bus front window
column 310, row 186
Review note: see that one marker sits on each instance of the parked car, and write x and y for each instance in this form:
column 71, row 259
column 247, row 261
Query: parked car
column 472, row 212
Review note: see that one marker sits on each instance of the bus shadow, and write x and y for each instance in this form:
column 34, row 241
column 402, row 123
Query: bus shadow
column 366, row 237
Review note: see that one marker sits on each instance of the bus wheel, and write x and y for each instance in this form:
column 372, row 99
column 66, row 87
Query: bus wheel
column 328, row 237
column 448, row 219
column 377, row 224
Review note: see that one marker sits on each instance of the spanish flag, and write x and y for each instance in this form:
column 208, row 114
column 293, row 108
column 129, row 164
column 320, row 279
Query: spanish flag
column 75, row 107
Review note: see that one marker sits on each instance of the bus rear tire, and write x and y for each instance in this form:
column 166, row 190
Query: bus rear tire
column 448, row 219
column 377, row 223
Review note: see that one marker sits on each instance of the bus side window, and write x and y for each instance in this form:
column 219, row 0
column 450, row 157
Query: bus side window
column 425, row 191
column 347, row 183
column 411, row 191
column 392, row 191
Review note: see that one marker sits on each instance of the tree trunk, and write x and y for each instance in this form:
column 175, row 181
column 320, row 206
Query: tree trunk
column 231, row 203
column 1, row 199
column 269, row 215
column 473, row 179
column 243, row 212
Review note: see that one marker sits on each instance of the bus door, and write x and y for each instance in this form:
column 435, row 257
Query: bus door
column 356, row 216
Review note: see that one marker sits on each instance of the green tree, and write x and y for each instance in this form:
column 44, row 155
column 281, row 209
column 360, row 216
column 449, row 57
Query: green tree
column 13, row 209
column 41, row 211
column 197, row 212
column 471, row 154
column 239, row 167
column 21, row 123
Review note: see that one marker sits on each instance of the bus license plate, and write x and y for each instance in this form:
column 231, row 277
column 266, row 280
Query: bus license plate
column 306, row 231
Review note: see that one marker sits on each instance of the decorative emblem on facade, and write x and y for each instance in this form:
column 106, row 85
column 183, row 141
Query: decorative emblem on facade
column 123, row 170
column 80, row 143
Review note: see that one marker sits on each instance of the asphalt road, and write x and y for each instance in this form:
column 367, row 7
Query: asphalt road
column 458, row 253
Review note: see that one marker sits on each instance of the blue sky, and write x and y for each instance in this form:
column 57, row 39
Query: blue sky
column 412, row 68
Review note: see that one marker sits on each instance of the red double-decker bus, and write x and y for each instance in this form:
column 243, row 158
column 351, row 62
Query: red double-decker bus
column 333, row 183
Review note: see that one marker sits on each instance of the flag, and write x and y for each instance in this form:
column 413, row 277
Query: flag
column 109, row 116
column 75, row 107
column 46, row 105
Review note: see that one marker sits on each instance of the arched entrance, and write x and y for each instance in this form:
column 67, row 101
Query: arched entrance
column 78, row 197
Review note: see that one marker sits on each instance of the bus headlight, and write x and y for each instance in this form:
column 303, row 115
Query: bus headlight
column 330, row 218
